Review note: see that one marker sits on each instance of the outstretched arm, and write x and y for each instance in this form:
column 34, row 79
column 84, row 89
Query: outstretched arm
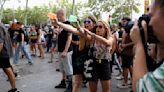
column 105, row 41
column 69, row 28
column 80, row 31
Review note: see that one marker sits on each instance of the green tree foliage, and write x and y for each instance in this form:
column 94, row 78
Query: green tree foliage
column 8, row 15
column 38, row 14
column 2, row 2
column 117, row 8
column 35, row 15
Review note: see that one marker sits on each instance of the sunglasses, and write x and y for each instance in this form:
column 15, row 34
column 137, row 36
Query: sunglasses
column 87, row 22
column 99, row 26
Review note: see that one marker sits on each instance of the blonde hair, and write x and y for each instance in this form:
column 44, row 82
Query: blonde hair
column 107, row 29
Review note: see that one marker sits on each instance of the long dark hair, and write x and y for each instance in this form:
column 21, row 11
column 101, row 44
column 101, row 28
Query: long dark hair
column 94, row 20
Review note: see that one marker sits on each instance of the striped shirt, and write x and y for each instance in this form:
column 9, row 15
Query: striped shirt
column 152, row 81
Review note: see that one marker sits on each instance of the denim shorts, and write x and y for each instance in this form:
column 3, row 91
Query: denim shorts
column 66, row 63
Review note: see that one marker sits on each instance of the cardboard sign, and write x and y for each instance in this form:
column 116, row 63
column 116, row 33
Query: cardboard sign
column 72, row 18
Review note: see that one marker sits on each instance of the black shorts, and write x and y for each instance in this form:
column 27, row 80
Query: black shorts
column 4, row 62
column 127, row 61
column 78, row 64
column 33, row 40
column 101, row 70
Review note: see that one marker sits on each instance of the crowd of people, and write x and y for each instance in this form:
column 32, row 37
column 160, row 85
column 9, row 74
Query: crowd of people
column 88, row 50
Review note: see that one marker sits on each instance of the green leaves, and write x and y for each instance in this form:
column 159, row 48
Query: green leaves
column 38, row 15
column 117, row 8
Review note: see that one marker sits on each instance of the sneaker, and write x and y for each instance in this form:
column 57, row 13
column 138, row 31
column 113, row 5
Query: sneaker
column 131, row 90
column 119, row 77
column 61, row 85
column 14, row 90
column 124, row 85
column 58, row 70
column 30, row 63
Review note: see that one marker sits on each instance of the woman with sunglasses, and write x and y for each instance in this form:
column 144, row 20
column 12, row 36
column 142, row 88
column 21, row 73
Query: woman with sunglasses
column 103, row 44
column 84, row 45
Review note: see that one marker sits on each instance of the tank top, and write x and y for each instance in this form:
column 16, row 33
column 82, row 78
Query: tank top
column 33, row 35
column 102, row 51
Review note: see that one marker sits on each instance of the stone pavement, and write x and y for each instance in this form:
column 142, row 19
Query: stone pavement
column 42, row 77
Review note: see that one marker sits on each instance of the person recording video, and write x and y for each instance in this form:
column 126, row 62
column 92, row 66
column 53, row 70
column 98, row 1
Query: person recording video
column 143, row 80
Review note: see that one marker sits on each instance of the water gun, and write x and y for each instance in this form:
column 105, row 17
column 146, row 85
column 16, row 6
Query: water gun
column 52, row 15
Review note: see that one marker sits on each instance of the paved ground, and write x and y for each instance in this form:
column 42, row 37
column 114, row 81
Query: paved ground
column 42, row 77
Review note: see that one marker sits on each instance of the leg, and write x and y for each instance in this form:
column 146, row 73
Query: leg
column 125, row 74
column 68, row 70
column 131, row 66
column 11, row 77
column 39, row 49
column 42, row 51
column 61, row 66
column 68, row 64
column 105, row 85
column 31, row 48
column 77, row 81
column 131, row 71
column 93, row 86
column 52, row 55
column 48, row 44
column 35, row 48
column 26, row 53
column 16, row 57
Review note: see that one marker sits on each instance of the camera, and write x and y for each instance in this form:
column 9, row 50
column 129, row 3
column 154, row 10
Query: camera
column 145, row 17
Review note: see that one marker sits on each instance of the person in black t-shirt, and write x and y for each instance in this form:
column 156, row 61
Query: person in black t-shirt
column 21, row 44
column 11, row 31
column 65, row 53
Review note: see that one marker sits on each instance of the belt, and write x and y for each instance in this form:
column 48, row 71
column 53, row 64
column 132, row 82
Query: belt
column 101, row 60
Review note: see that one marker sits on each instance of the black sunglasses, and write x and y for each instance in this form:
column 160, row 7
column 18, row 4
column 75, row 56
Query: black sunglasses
column 99, row 26
column 87, row 22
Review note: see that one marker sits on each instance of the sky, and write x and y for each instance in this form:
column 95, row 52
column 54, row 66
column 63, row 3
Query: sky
column 16, row 3
column 31, row 3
